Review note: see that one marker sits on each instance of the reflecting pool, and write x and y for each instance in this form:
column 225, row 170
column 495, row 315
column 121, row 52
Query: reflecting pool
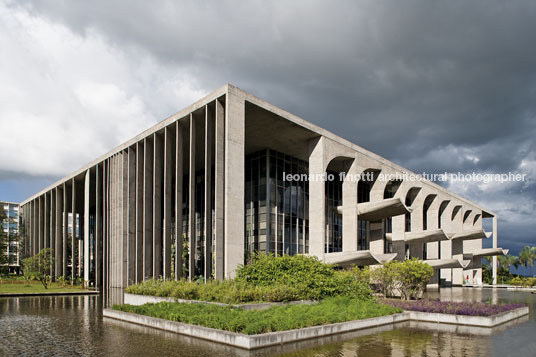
column 73, row 325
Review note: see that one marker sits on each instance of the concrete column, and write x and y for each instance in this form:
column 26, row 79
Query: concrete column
column 191, row 200
column 52, row 232
column 124, row 232
column 179, row 173
column 139, row 211
column 168, row 146
column 494, row 267
column 65, row 229
column 42, row 215
column 157, row 205
column 105, row 224
column 209, row 154
column 219, row 171
column 317, row 199
column 234, row 181
column 131, row 220
column 349, row 212
column 87, row 185
column 98, row 226
column 148, row 209
column 46, row 219
column 58, row 233
column 73, row 236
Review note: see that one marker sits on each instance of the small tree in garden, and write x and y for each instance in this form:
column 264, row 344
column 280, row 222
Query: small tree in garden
column 412, row 277
column 39, row 266
column 385, row 277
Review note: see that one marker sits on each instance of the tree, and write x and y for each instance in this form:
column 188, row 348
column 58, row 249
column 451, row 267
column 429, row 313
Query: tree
column 506, row 261
column 385, row 278
column 527, row 257
column 40, row 266
column 413, row 275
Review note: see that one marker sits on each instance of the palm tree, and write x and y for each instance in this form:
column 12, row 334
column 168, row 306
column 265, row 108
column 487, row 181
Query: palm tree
column 527, row 257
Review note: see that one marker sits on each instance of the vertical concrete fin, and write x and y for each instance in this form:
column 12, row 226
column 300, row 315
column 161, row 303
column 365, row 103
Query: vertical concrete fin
column 157, row 205
column 191, row 200
column 179, row 173
column 219, row 180
column 234, row 181
column 209, row 184
column 87, row 183
column 168, row 145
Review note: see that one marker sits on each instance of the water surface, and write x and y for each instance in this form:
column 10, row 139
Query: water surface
column 73, row 325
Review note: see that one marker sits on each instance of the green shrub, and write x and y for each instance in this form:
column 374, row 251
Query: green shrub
column 315, row 280
column 268, row 278
column 413, row 275
column 518, row 281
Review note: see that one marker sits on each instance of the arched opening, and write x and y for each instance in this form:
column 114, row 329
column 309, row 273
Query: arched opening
column 466, row 215
column 389, row 192
column 455, row 211
column 333, row 191
column 410, row 198
column 477, row 217
column 426, row 205
column 364, row 186
column 442, row 208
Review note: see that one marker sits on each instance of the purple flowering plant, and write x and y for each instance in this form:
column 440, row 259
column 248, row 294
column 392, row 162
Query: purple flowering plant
column 450, row 307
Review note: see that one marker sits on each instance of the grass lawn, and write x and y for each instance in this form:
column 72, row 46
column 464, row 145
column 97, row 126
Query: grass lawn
column 277, row 318
column 26, row 287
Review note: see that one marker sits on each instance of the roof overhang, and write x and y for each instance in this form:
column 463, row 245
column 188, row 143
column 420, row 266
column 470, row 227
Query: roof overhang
column 448, row 263
column 487, row 252
column 360, row 258
column 376, row 211
column 472, row 234
column 427, row 236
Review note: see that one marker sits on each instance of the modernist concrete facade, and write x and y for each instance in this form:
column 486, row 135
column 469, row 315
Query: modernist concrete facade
column 10, row 227
column 213, row 176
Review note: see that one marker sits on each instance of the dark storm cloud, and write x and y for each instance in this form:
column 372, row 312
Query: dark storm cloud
column 434, row 86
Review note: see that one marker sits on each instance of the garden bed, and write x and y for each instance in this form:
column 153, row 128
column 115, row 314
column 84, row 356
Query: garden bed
column 452, row 308
column 273, row 319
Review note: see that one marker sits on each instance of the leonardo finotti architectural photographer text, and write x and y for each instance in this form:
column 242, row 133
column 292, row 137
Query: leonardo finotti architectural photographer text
column 443, row 177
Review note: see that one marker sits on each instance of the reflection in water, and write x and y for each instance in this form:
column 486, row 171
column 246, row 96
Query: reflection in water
column 73, row 325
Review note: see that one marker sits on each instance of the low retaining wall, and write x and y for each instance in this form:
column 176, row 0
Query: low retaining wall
column 254, row 341
column 276, row 338
column 134, row 299
column 480, row 321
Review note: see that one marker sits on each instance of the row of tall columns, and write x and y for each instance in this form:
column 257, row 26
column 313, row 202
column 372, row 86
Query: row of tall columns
column 128, row 209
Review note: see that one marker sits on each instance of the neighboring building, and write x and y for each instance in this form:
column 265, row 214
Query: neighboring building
column 217, row 168
column 10, row 226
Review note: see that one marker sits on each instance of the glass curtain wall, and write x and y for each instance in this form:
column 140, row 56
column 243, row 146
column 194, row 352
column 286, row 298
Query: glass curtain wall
column 277, row 210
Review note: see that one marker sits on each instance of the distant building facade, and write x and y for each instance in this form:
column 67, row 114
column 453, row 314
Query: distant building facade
column 230, row 175
column 10, row 227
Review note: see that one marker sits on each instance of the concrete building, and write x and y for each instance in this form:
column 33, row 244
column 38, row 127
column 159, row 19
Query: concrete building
column 10, row 227
column 194, row 195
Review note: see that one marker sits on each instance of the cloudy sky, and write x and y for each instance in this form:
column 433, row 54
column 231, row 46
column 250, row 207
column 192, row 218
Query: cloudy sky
column 434, row 86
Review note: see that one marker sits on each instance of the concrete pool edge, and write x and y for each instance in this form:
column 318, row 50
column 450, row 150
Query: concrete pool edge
column 137, row 299
column 250, row 342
